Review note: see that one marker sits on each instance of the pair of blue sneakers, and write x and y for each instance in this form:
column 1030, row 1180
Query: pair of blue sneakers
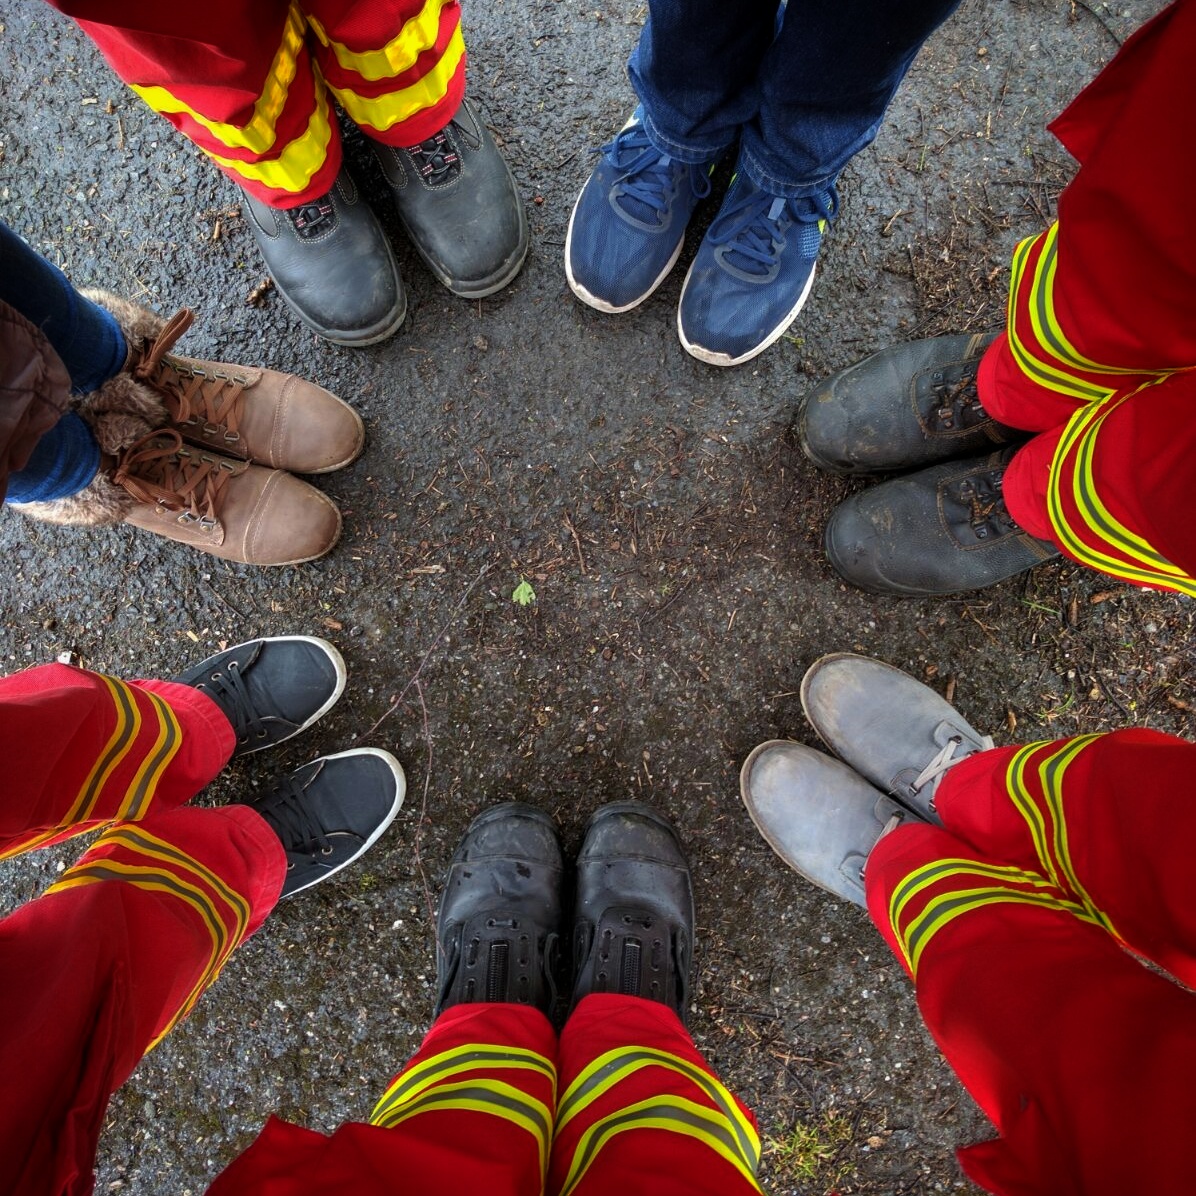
column 751, row 275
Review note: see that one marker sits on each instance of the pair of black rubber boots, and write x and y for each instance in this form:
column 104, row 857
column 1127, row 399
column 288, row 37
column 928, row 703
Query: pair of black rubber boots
column 501, row 931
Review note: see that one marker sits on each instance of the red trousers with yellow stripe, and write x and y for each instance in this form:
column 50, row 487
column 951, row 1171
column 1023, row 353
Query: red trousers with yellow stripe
column 1099, row 354
column 1019, row 922
column 492, row 1103
column 95, row 971
column 249, row 81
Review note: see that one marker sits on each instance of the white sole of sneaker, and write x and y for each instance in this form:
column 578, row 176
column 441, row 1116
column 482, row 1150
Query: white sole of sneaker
column 592, row 300
column 400, row 778
column 724, row 359
column 338, row 663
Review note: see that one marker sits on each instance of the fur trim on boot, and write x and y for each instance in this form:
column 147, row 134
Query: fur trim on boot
column 119, row 414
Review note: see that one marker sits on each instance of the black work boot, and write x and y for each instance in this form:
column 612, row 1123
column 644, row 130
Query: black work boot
column 332, row 263
column 270, row 689
column 331, row 812
column 633, row 924
column 902, row 408
column 498, row 930
column 459, row 206
column 939, row 531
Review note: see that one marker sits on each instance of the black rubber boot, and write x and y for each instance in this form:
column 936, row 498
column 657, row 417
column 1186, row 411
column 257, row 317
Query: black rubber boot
column 332, row 263
column 633, row 925
column 903, row 408
column 498, row 931
column 459, row 205
column 939, row 531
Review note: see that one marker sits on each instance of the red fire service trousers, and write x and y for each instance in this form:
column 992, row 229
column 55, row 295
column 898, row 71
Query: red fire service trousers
column 1020, row 922
column 1099, row 352
column 96, row 970
column 248, row 81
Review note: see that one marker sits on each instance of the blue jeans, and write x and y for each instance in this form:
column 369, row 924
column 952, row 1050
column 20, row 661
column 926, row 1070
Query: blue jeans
column 92, row 348
column 803, row 98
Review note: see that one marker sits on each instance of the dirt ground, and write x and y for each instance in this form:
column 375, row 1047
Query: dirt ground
column 669, row 526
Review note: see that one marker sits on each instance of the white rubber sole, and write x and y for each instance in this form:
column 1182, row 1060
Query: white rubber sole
column 711, row 357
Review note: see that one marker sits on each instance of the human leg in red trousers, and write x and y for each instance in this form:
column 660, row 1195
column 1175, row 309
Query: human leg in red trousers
column 1096, row 358
column 1017, row 916
column 1009, row 922
column 120, row 948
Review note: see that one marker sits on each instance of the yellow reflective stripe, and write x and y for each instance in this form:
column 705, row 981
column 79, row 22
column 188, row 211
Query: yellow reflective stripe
column 671, row 1113
column 145, row 783
column 1034, row 817
column 381, row 112
column 418, row 34
column 614, row 1066
column 259, row 133
column 1151, row 568
column 460, row 1060
column 946, row 907
column 296, row 166
column 483, row 1096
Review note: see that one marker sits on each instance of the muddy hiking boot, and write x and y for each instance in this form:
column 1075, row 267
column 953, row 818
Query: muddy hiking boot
column 332, row 264
column 498, row 928
column 270, row 689
column 942, row 530
column 897, row 733
column 241, row 411
column 459, row 205
column 633, row 924
column 330, row 812
column 905, row 407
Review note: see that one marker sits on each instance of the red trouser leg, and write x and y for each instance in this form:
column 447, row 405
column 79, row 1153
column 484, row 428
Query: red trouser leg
column 83, row 749
column 397, row 67
column 1007, row 922
column 104, row 963
column 641, row 1113
column 471, row 1112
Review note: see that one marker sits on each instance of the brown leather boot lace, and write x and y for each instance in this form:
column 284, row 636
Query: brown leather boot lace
column 209, row 396
column 160, row 470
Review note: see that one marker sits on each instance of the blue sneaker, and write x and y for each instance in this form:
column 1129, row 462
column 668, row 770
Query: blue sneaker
column 629, row 221
column 752, row 273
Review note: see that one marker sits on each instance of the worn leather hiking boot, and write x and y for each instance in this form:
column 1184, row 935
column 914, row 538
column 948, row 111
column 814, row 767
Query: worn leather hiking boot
column 633, row 923
column 332, row 263
column 942, row 530
column 903, row 408
column 255, row 414
column 498, row 929
column 459, row 205
column 897, row 733
column 228, row 508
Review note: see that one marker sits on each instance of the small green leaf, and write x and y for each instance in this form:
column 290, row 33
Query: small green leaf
column 524, row 595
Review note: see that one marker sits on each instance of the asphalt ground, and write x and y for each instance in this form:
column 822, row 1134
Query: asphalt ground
column 669, row 526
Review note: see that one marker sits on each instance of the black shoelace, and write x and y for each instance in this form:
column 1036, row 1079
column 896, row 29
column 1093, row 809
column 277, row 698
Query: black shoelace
column 228, row 688
column 435, row 158
column 308, row 219
column 288, row 812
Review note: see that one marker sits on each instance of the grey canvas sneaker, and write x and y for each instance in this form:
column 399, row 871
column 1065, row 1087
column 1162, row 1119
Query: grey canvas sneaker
column 894, row 731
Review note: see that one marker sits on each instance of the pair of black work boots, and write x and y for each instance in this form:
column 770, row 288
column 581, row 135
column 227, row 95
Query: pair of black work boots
column 501, row 925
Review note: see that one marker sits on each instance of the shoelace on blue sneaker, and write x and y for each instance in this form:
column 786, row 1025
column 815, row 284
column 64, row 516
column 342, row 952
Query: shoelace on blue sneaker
column 228, row 689
column 288, row 812
column 646, row 179
column 752, row 227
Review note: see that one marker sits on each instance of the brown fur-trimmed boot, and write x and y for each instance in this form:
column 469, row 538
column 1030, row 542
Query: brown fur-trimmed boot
column 239, row 411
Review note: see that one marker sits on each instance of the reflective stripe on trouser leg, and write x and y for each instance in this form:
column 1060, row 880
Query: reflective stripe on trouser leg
column 102, row 965
column 255, row 103
column 640, row 1101
column 83, row 749
column 1066, row 1042
column 397, row 67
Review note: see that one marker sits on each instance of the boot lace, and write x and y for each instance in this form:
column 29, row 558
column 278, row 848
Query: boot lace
column 289, row 814
column 227, row 688
column 752, row 229
column 957, row 404
column 987, row 513
column 159, row 469
column 647, row 176
column 209, row 399
column 308, row 219
column 436, row 159
column 951, row 753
